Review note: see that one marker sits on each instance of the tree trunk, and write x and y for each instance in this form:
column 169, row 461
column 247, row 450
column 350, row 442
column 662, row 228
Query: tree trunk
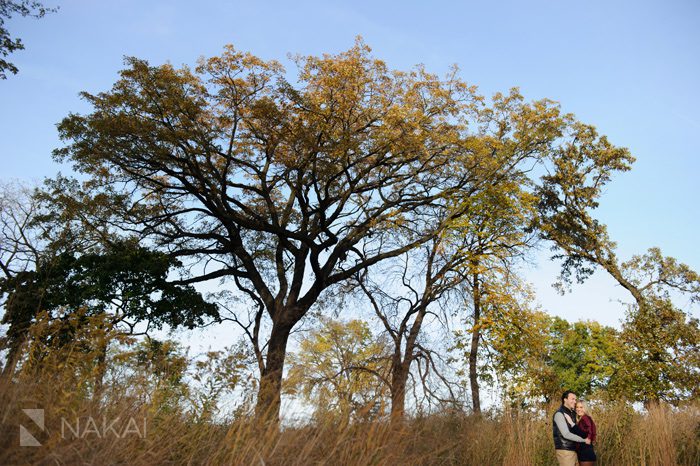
column 613, row 269
column 473, row 375
column 13, row 356
column 10, row 365
column 400, row 369
column 474, row 347
column 267, row 407
column 100, row 371
column 399, row 380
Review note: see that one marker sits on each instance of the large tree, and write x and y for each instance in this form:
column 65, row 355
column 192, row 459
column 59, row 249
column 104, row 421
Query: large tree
column 286, row 188
column 292, row 187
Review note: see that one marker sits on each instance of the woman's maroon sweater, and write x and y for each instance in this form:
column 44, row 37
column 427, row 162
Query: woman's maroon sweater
column 587, row 425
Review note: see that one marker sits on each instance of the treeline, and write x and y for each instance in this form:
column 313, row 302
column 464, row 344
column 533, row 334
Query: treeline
column 163, row 406
column 158, row 406
column 351, row 187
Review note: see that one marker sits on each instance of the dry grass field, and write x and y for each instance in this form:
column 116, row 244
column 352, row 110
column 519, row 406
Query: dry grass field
column 140, row 429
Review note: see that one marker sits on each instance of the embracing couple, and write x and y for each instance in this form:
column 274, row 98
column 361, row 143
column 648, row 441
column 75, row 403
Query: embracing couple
column 574, row 432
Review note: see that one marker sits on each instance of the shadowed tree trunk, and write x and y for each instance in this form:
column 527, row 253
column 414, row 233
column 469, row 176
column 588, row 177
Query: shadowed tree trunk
column 399, row 380
column 474, row 345
column 268, row 402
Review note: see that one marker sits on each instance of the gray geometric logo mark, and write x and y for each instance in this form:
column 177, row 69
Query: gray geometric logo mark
column 26, row 439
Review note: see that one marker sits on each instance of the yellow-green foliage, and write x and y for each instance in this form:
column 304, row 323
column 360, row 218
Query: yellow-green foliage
column 341, row 368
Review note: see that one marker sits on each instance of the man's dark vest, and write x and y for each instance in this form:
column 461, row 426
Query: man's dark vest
column 560, row 443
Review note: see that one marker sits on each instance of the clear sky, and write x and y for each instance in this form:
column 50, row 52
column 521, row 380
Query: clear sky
column 632, row 68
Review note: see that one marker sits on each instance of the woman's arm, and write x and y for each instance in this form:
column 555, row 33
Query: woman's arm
column 587, row 426
column 590, row 427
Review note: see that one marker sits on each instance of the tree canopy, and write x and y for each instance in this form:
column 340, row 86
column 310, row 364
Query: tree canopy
column 286, row 188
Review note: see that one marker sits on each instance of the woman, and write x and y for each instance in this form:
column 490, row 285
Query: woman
column 584, row 427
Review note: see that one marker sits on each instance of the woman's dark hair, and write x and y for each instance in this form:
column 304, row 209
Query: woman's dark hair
column 565, row 395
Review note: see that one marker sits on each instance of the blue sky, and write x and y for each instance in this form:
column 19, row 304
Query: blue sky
column 631, row 68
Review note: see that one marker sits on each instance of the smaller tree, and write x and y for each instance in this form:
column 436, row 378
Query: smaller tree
column 218, row 376
column 51, row 359
column 342, row 369
column 163, row 374
column 536, row 356
column 662, row 341
column 153, row 371
column 404, row 297
column 497, row 235
column 582, row 356
column 512, row 337
column 125, row 283
column 25, row 248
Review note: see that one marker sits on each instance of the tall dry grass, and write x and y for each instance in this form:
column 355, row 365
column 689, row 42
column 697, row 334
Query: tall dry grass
column 149, row 427
column 663, row 436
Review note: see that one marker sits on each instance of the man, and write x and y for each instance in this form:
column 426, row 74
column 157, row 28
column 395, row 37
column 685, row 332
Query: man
column 564, row 440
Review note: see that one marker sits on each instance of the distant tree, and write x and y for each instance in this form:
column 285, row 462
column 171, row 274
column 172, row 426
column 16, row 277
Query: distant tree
column 582, row 356
column 48, row 264
column 538, row 356
column 8, row 45
column 24, row 244
column 403, row 294
column 18, row 248
column 218, row 376
column 342, row 369
column 127, row 283
column 156, row 372
column 660, row 334
column 79, row 361
column 662, row 341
